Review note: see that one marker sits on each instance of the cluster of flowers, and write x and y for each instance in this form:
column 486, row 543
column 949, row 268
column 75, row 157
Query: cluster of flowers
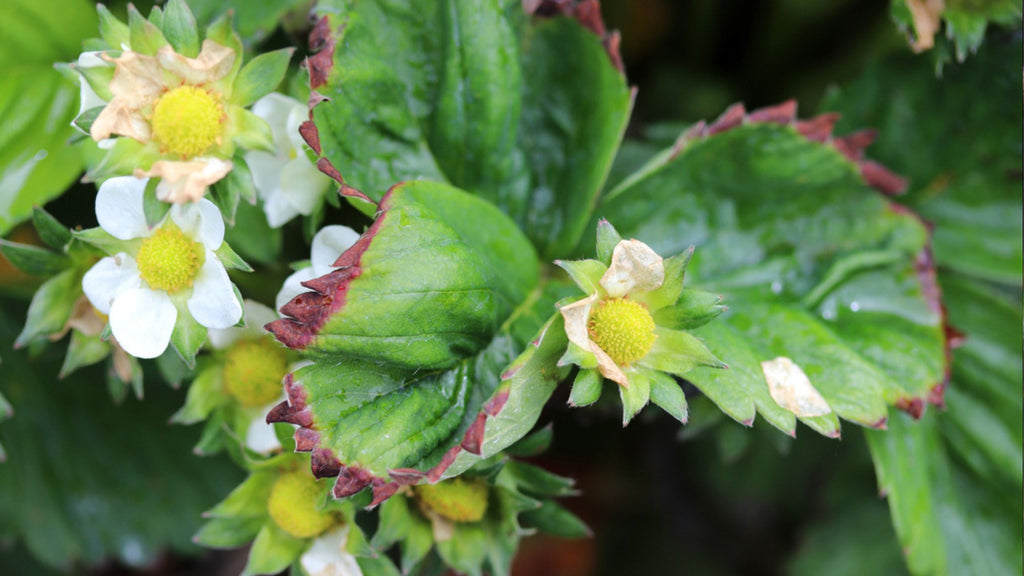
column 179, row 122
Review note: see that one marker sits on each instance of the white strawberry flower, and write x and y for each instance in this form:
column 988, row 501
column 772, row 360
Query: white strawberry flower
column 287, row 181
column 167, row 270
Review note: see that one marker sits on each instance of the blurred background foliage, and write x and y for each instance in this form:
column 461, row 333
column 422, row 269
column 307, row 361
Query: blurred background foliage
column 93, row 487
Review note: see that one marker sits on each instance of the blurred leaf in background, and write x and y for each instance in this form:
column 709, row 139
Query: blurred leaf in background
column 86, row 481
column 37, row 103
column 953, row 479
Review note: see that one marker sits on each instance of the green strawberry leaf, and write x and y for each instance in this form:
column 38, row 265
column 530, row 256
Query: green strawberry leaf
column 814, row 265
column 492, row 100
column 37, row 103
column 970, row 193
column 430, row 283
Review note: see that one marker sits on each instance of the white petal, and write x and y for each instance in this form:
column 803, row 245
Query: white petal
column 213, row 303
column 302, row 184
column 266, row 172
column 260, row 436
column 276, row 108
column 295, row 119
column 328, row 557
column 634, row 267
column 119, row 207
column 142, row 321
column 108, row 278
column 201, row 221
column 328, row 244
column 278, row 209
column 293, row 286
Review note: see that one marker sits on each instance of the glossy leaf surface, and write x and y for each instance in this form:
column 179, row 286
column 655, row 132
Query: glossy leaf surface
column 813, row 264
column 523, row 111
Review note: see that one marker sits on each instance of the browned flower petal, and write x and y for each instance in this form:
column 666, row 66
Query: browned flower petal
column 634, row 267
column 576, row 316
column 185, row 181
column 137, row 83
column 213, row 63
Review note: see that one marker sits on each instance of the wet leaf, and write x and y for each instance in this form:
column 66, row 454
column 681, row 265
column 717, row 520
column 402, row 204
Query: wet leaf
column 813, row 265
column 525, row 112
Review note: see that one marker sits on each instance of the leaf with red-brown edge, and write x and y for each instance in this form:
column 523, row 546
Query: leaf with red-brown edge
column 522, row 104
column 380, row 429
column 814, row 265
column 428, row 284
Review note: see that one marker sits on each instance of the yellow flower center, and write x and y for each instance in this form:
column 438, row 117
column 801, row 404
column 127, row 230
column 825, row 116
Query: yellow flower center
column 457, row 500
column 622, row 328
column 253, row 370
column 293, row 505
column 169, row 260
column 187, row 121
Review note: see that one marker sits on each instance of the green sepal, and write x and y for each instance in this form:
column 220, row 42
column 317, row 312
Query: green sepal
column 33, row 259
column 188, row 335
column 553, row 519
column 124, row 157
column 50, row 231
column 586, row 389
column 154, row 209
column 669, row 291
column 574, row 354
column 179, row 27
column 379, row 566
column 635, row 396
column 83, row 350
column 213, row 439
column 537, row 481
column 400, row 524
column 585, row 273
column 230, row 259
column 273, row 551
column 249, row 131
column 260, row 76
column 533, row 445
column 240, row 177
column 144, row 36
column 230, row 532
column 668, row 395
column 694, row 309
column 156, row 17
column 205, row 393
column 118, row 388
column 467, row 549
column 678, row 352
column 51, row 307
column 113, row 31
column 607, row 239
column 248, row 499
column 98, row 78
column 222, row 32
column 225, row 196
column 101, row 239
column 172, row 369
